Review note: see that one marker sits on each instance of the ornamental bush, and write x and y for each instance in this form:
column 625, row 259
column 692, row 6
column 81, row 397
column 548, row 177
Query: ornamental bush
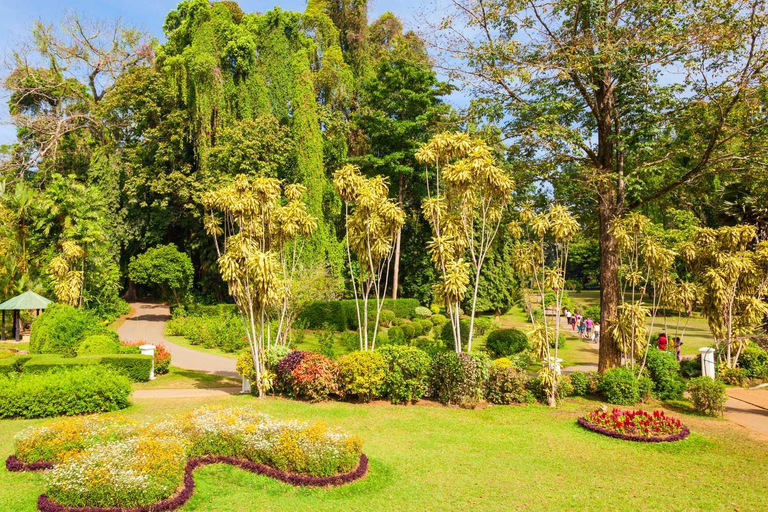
column 691, row 368
column 429, row 345
column 386, row 317
column 506, row 342
column 483, row 324
column 754, row 361
column 506, row 385
column 362, row 374
column 422, row 312
column 409, row 331
column 222, row 332
column 446, row 334
column 593, row 382
column 439, row 320
column 314, row 378
column 407, row 373
column 78, row 390
column 61, row 328
column 459, row 378
column 97, row 344
column 396, row 335
column 342, row 314
column 580, row 384
column 162, row 356
column 620, row 386
column 664, row 371
column 136, row 366
column 707, row 395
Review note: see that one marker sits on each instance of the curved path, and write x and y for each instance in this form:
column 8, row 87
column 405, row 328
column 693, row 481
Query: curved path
column 147, row 323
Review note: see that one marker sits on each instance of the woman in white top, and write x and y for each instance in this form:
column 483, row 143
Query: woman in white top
column 596, row 333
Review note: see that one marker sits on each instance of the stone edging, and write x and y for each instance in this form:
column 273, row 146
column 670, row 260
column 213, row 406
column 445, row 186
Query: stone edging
column 683, row 434
column 44, row 504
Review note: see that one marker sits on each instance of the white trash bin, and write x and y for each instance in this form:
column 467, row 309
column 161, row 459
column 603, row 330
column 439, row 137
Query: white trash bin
column 707, row 362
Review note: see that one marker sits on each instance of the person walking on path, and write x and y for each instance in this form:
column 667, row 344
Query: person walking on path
column 678, row 347
column 588, row 323
column 568, row 315
column 596, row 333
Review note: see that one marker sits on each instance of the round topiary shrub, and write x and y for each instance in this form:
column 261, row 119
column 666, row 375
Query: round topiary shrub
column 61, row 328
column 386, row 317
column 418, row 328
column 407, row 373
column 429, row 345
column 483, row 325
column 362, row 374
column 754, row 362
column 97, row 344
column 707, row 395
column 422, row 312
column 409, row 331
column 447, row 335
column 621, row 386
column 396, row 335
column 506, row 342
column 664, row 371
column 438, row 319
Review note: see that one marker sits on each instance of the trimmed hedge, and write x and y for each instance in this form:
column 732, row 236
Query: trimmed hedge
column 342, row 314
column 73, row 391
column 137, row 366
column 98, row 344
column 506, row 342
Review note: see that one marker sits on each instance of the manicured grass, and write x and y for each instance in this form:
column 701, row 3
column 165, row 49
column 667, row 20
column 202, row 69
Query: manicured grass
column 498, row 458
column 178, row 378
column 16, row 346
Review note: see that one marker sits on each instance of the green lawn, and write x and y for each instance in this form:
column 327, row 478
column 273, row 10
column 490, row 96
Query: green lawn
column 498, row 458
column 178, row 378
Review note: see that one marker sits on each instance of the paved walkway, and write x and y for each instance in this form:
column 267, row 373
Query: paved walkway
column 748, row 408
column 148, row 324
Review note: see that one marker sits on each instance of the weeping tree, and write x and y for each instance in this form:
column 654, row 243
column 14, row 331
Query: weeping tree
column 252, row 223
column 373, row 223
column 541, row 259
column 733, row 275
column 467, row 195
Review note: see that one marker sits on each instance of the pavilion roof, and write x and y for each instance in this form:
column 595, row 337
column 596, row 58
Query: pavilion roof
column 27, row 300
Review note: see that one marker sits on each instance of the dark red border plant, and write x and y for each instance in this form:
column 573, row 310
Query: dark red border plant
column 638, row 425
column 44, row 504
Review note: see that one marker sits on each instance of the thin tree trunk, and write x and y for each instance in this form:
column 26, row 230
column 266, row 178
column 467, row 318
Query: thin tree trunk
column 396, row 267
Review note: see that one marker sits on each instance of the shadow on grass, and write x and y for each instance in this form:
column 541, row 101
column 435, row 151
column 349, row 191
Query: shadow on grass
column 192, row 379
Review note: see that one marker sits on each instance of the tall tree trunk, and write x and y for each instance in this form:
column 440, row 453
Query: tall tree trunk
column 608, row 212
column 396, row 269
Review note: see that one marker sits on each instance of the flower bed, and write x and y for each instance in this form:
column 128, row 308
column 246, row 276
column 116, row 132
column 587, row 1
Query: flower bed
column 636, row 425
column 96, row 465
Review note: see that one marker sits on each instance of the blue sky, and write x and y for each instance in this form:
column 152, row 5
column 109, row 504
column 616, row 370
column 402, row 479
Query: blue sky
column 17, row 17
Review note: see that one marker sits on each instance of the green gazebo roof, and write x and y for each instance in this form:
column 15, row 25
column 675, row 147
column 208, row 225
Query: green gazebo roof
column 27, row 300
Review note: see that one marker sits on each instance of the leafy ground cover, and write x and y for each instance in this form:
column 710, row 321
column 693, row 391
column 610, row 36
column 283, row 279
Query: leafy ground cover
column 497, row 458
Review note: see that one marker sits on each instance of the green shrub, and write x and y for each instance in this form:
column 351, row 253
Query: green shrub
column 72, row 391
column 620, row 386
column 506, row 385
column 458, row 378
column 214, row 331
column 61, row 328
column 362, row 374
column 580, row 384
column 439, row 320
column 407, row 373
column 422, row 312
column 409, row 331
column 13, row 364
column 483, row 325
column 274, row 355
column 396, row 336
column 506, row 342
column 429, row 345
column 732, row 376
column 754, row 361
column 51, row 362
column 386, row 317
column 325, row 341
column 707, row 395
column 592, row 312
column 98, row 344
column 136, row 367
column 593, row 382
column 447, row 334
column 428, row 325
column 664, row 371
column 691, row 368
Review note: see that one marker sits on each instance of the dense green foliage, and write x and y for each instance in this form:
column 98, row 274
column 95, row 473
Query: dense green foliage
column 664, row 371
column 98, row 344
column 164, row 266
column 61, row 329
column 407, row 373
column 67, row 392
column 506, row 385
column 707, row 395
column 506, row 342
column 620, row 386
column 362, row 375
column 342, row 315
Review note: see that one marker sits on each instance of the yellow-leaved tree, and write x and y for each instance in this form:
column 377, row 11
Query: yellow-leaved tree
column 732, row 271
column 68, row 273
column 372, row 222
column 262, row 234
column 467, row 194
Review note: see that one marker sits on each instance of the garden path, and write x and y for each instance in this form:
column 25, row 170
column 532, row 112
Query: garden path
column 147, row 323
column 748, row 408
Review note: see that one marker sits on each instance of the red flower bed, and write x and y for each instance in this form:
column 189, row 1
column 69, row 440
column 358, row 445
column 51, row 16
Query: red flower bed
column 636, row 425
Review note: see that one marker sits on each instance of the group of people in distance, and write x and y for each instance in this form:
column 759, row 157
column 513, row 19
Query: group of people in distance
column 662, row 343
column 586, row 327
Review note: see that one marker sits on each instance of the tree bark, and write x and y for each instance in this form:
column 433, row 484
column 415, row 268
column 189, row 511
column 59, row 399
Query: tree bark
column 608, row 212
column 396, row 269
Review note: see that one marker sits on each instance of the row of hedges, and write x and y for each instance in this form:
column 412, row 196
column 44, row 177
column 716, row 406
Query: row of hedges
column 69, row 391
column 135, row 366
column 342, row 314
column 62, row 328
column 222, row 332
